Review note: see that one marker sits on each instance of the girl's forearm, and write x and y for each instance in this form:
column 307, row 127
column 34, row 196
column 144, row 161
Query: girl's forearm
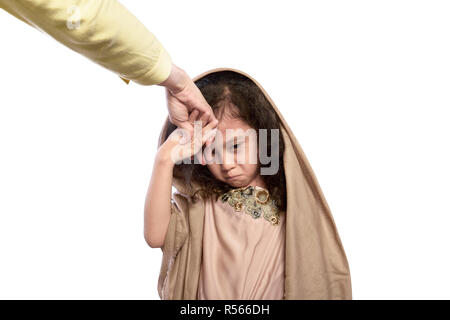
column 157, row 208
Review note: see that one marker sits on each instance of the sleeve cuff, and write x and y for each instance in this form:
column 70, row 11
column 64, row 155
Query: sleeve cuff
column 126, row 80
column 159, row 73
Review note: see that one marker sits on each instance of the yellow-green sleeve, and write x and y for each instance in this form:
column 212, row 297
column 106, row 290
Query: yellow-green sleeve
column 104, row 31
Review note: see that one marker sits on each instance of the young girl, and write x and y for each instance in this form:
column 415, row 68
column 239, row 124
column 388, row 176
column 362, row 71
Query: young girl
column 231, row 230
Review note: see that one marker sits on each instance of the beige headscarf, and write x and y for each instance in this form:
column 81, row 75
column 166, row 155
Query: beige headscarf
column 316, row 265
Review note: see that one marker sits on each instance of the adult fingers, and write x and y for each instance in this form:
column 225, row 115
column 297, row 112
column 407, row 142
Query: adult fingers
column 200, row 103
column 204, row 118
column 193, row 115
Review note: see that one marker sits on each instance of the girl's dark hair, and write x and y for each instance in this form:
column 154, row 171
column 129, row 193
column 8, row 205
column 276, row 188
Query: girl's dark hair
column 231, row 93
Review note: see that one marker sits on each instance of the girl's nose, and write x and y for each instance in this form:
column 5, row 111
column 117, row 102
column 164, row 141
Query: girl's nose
column 228, row 162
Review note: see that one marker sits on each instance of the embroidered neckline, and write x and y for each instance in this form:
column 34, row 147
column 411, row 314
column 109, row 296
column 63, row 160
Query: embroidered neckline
column 253, row 200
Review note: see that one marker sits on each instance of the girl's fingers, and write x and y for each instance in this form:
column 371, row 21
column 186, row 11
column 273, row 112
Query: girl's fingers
column 209, row 126
column 208, row 135
column 212, row 118
column 210, row 132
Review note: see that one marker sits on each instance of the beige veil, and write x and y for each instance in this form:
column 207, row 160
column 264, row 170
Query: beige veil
column 316, row 265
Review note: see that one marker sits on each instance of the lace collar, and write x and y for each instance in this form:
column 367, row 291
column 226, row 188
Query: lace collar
column 253, row 200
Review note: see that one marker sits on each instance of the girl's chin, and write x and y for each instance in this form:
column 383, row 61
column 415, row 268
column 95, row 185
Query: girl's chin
column 236, row 183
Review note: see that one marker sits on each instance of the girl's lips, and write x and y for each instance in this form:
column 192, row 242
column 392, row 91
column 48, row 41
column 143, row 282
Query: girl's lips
column 232, row 177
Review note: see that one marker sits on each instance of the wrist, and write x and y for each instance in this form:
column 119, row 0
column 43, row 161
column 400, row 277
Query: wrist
column 163, row 157
column 176, row 81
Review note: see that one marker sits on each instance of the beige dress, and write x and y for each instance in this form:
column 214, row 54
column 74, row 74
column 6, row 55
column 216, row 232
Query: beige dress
column 243, row 251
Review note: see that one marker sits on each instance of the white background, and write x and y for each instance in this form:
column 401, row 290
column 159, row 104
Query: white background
column 363, row 84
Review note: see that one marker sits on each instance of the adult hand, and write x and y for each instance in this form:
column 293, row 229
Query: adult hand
column 183, row 96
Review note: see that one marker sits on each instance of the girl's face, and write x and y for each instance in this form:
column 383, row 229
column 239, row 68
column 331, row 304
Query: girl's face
column 235, row 162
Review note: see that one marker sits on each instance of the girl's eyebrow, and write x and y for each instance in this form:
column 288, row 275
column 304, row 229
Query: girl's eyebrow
column 234, row 139
column 239, row 138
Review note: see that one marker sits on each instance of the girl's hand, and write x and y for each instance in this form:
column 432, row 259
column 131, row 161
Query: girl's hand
column 177, row 152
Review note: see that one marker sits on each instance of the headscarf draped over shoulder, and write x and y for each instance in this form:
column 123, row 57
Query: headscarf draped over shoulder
column 316, row 265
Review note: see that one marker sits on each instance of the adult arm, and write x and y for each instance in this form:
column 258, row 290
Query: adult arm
column 104, row 31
